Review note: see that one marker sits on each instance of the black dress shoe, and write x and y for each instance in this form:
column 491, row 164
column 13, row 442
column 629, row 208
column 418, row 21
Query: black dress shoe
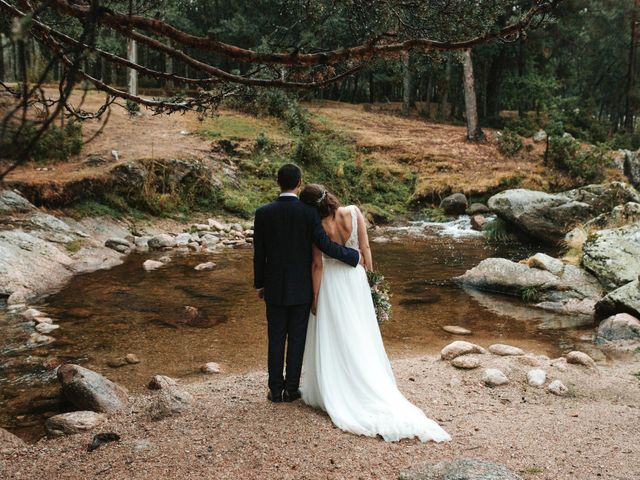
column 288, row 396
column 275, row 397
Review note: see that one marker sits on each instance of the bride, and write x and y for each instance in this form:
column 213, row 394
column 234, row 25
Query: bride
column 346, row 369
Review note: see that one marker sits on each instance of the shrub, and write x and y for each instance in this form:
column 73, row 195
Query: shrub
column 509, row 143
column 309, row 150
column 585, row 165
column 56, row 143
column 263, row 142
column 530, row 294
column 132, row 107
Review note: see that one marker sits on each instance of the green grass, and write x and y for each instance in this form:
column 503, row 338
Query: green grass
column 435, row 214
column 497, row 230
column 92, row 208
column 237, row 128
column 530, row 294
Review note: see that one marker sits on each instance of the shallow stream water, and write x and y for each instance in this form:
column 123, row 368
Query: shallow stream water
column 107, row 314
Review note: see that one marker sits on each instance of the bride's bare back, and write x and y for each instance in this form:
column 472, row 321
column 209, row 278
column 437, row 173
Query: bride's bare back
column 339, row 230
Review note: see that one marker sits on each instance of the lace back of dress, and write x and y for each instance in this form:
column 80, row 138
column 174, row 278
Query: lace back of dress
column 353, row 238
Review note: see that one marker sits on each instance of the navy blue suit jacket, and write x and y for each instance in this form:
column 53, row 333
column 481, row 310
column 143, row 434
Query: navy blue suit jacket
column 284, row 232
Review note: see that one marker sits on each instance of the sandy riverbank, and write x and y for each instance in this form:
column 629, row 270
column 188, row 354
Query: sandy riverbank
column 233, row 432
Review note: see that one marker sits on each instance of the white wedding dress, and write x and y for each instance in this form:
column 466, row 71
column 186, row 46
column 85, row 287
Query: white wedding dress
column 346, row 371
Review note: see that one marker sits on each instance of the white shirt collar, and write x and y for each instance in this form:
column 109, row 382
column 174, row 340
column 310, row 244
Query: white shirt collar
column 288, row 194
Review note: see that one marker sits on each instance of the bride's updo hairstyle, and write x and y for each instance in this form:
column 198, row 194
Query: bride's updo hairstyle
column 319, row 197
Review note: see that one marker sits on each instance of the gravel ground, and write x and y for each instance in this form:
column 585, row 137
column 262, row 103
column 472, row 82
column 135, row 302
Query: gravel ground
column 233, row 432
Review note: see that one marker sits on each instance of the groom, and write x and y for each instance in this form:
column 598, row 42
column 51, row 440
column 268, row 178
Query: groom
column 284, row 232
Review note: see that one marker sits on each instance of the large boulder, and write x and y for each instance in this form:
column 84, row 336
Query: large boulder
column 455, row 204
column 72, row 423
column 613, row 255
column 548, row 217
column 631, row 167
column 619, row 327
column 12, row 202
column 568, row 290
column 462, row 469
column 88, row 390
column 625, row 299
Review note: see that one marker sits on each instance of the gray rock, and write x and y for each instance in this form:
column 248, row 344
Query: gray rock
column 459, row 347
column 205, row 266
column 150, row 265
column 12, row 202
column 183, row 239
column 8, row 440
column 456, row 330
column 478, row 209
column 45, row 328
column 558, row 388
column 117, row 244
column 216, row 225
column 625, row 299
column 466, row 362
column 89, row 390
column 619, row 327
column 72, row 423
column 462, row 469
column 164, row 240
column 455, row 204
column 540, row 136
column 620, row 215
column 631, row 168
column 169, row 402
column 613, row 255
column 565, row 293
column 210, row 367
column 542, row 261
column 39, row 339
column 536, row 377
column 505, row 350
column 478, row 222
column 580, row 358
column 210, row 241
column 492, row 377
column 160, row 382
column 548, row 217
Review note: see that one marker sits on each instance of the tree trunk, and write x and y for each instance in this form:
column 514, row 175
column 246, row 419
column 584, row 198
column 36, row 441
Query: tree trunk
column 629, row 111
column 168, row 86
column 442, row 113
column 2, row 69
column 372, row 97
column 474, row 133
column 132, row 75
column 521, row 106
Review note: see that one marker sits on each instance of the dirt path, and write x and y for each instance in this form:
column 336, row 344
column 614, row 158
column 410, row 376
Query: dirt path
column 233, row 432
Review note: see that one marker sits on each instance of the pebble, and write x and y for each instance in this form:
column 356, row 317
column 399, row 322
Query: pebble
column 456, row 330
column 216, row 225
column 117, row 363
column 205, row 266
column 459, row 347
column 46, row 327
column 580, row 358
column 159, row 382
column 465, row 362
column 210, row 367
column 150, row 265
column 40, row 320
column 39, row 339
column 505, row 350
column 493, row 377
column 131, row 358
column 536, row 377
column 32, row 314
column 558, row 388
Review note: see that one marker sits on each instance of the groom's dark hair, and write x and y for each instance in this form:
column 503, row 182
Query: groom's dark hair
column 289, row 176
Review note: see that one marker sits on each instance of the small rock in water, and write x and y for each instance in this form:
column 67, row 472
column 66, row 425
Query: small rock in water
column 164, row 240
column 493, row 377
column 131, row 358
column 32, row 314
column 40, row 320
column 116, row 362
column 459, row 347
column 165, row 259
column 205, row 266
column 536, row 377
column 478, row 222
column 465, row 362
column 580, row 358
column 72, row 423
column 46, row 327
column 88, row 390
column 160, row 382
column 191, row 312
column 558, row 388
column 118, row 244
column 150, row 265
column 39, row 339
column 210, row 367
column 505, row 350
column 456, row 330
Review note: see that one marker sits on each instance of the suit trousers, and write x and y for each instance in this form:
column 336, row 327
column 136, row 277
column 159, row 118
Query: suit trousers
column 287, row 324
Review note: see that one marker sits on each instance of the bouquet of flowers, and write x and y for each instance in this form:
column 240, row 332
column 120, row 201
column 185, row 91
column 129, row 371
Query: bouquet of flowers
column 381, row 295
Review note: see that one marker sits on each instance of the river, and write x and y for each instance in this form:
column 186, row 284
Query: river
column 107, row 314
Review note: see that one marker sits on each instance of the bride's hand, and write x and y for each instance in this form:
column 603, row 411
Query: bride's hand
column 314, row 307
